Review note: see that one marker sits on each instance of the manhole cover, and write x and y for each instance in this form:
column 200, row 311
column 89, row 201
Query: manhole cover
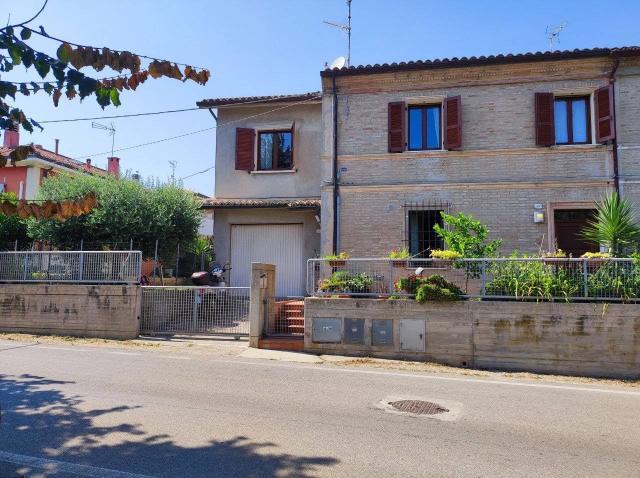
column 418, row 407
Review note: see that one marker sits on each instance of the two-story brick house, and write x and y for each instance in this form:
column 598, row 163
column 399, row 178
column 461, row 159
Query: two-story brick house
column 526, row 143
column 267, row 185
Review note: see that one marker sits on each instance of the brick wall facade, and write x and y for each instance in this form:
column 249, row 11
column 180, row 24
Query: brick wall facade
column 497, row 175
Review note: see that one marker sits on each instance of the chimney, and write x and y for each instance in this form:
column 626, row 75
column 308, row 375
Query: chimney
column 57, row 144
column 113, row 166
column 11, row 139
column 87, row 165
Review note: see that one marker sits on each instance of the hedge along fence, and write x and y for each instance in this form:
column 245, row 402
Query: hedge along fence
column 542, row 279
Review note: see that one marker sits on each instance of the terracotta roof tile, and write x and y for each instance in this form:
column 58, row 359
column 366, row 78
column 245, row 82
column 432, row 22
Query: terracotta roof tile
column 484, row 60
column 214, row 102
column 58, row 159
column 290, row 203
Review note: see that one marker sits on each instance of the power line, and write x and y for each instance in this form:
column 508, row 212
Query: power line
column 190, row 133
column 239, row 103
column 196, row 173
column 119, row 116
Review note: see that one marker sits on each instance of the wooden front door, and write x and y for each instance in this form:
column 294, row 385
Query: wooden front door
column 569, row 224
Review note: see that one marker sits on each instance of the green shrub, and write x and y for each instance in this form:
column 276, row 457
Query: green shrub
column 436, row 288
column 343, row 281
column 537, row 279
column 614, row 279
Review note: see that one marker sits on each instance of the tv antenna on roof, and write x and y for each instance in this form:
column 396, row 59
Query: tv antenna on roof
column 345, row 28
column 553, row 33
column 110, row 128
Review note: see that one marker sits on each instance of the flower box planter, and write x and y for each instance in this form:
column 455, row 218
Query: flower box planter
column 337, row 263
column 399, row 263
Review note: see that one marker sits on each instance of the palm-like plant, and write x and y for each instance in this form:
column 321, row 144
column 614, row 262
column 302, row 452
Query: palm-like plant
column 613, row 225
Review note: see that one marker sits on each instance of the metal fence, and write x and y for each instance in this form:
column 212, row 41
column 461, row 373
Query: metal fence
column 500, row 278
column 113, row 267
column 207, row 310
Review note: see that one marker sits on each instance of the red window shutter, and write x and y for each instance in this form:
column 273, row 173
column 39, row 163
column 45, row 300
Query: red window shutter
column 396, row 113
column 452, row 121
column 244, row 149
column 545, row 129
column 605, row 121
column 293, row 144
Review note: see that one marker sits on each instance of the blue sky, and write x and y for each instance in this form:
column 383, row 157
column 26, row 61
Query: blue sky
column 255, row 47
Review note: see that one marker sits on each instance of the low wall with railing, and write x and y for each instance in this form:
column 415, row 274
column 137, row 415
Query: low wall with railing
column 587, row 339
column 92, row 267
column 564, row 279
column 104, row 311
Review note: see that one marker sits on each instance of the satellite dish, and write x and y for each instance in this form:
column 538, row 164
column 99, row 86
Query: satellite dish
column 338, row 62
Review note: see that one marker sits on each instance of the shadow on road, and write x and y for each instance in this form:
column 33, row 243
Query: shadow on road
column 40, row 420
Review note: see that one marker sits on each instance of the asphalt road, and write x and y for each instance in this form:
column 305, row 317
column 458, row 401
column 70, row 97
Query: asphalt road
column 126, row 413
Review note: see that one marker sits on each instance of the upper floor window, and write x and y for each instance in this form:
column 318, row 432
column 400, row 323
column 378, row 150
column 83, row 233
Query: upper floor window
column 275, row 150
column 424, row 127
column 571, row 120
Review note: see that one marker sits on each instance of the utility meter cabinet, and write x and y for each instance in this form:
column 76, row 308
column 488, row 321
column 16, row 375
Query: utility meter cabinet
column 412, row 335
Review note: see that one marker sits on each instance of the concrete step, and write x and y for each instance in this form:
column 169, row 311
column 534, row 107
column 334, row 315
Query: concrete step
column 282, row 343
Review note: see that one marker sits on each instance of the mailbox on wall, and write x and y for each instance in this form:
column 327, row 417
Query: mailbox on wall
column 382, row 332
column 354, row 331
column 326, row 330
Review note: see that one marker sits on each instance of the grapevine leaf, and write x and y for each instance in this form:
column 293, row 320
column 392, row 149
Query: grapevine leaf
column 15, row 53
column 24, row 90
column 26, row 125
column 56, row 97
column 36, row 87
column 114, row 95
column 71, row 92
column 87, row 86
column 8, row 89
column 42, row 66
column 28, row 57
column 64, row 53
column 58, row 72
column 25, row 34
column 48, row 87
column 103, row 96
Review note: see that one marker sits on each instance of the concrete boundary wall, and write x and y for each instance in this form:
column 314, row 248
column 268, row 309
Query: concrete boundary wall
column 104, row 311
column 572, row 339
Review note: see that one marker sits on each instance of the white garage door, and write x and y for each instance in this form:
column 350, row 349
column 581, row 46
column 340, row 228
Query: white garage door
column 279, row 244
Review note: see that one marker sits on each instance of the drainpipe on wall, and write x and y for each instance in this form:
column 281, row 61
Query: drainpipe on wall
column 614, row 143
column 336, row 211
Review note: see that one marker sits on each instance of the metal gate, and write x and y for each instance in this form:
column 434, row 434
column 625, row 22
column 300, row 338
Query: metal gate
column 203, row 310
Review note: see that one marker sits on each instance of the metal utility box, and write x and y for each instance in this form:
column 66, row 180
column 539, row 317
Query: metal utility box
column 412, row 335
column 382, row 332
column 326, row 330
column 354, row 331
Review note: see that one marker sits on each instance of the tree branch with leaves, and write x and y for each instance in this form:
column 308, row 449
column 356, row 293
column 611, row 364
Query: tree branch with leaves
column 60, row 74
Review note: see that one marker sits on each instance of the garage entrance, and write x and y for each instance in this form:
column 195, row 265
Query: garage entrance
column 279, row 244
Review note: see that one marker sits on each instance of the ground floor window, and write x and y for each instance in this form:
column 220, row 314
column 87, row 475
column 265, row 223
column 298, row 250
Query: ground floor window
column 421, row 237
column 569, row 224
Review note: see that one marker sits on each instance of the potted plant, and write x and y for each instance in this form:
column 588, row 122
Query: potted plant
column 337, row 260
column 445, row 258
column 399, row 257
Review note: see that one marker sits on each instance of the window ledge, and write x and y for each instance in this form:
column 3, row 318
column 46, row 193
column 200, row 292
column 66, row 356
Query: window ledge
column 276, row 171
column 578, row 146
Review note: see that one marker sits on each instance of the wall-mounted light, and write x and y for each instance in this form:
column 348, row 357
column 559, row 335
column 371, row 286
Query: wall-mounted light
column 538, row 216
